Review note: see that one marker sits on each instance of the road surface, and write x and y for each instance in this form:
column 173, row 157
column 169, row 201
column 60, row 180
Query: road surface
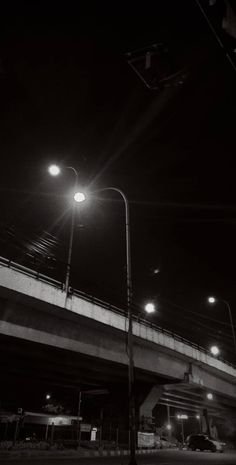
column 160, row 458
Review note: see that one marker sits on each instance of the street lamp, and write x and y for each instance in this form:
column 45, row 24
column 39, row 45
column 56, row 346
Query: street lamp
column 198, row 418
column 132, row 429
column 55, row 170
column 150, row 307
column 209, row 396
column 215, row 350
column 182, row 417
column 213, row 300
column 79, row 197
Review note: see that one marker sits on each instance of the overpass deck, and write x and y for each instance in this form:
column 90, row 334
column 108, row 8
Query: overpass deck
column 21, row 280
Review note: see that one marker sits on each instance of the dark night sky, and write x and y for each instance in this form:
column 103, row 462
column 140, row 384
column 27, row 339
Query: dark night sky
column 69, row 96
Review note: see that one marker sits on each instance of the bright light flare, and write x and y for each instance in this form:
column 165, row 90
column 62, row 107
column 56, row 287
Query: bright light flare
column 54, row 170
column 209, row 396
column 48, row 396
column 215, row 350
column 198, row 417
column 211, row 300
column 168, row 426
column 149, row 307
column 79, row 197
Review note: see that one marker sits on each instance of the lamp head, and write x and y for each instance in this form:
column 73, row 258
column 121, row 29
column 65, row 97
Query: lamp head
column 149, row 307
column 211, row 300
column 54, row 170
column 215, row 350
column 79, row 197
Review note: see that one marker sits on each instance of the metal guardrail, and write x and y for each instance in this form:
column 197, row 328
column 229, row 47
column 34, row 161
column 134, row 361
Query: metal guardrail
column 58, row 284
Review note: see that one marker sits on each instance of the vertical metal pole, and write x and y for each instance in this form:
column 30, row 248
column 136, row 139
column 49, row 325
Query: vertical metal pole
column 168, row 420
column 78, row 424
column 182, row 425
column 200, row 424
column 16, row 431
column 46, row 432
column 72, row 227
column 117, row 437
column 231, row 321
column 52, row 433
column 100, row 429
column 5, row 432
column 130, row 340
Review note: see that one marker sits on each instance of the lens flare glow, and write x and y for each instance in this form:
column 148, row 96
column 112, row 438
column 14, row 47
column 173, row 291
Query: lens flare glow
column 211, row 300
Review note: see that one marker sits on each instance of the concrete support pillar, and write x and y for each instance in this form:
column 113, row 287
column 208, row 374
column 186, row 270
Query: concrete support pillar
column 146, row 408
column 209, row 425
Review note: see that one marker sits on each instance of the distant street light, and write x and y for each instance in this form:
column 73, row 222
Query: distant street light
column 182, row 417
column 198, row 417
column 150, row 307
column 214, row 350
column 209, row 396
column 168, row 426
column 48, row 396
column 213, row 300
column 55, row 170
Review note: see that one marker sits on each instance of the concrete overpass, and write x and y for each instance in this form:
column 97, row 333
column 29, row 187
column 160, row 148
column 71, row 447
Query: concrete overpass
column 90, row 336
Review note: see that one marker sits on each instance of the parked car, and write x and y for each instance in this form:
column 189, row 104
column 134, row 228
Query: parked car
column 204, row 442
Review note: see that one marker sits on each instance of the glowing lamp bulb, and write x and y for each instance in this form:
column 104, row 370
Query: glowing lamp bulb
column 209, row 396
column 150, row 308
column 54, row 170
column 211, row 300
column 215, row 350
column 79, row 197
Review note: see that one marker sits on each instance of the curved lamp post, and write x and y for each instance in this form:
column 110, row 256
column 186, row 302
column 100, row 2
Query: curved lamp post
column 213, row 300
column 55, row 170
column 132, row 429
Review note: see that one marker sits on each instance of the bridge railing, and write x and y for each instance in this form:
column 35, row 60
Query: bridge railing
column 59, row 285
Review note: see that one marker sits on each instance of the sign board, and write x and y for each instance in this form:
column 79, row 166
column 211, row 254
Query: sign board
column 86, row 427
column 145, row 439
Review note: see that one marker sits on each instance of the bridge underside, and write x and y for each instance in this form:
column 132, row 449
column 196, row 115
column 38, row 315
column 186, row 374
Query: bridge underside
column 31, row 368
column 28, row 367
column 189, row 398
